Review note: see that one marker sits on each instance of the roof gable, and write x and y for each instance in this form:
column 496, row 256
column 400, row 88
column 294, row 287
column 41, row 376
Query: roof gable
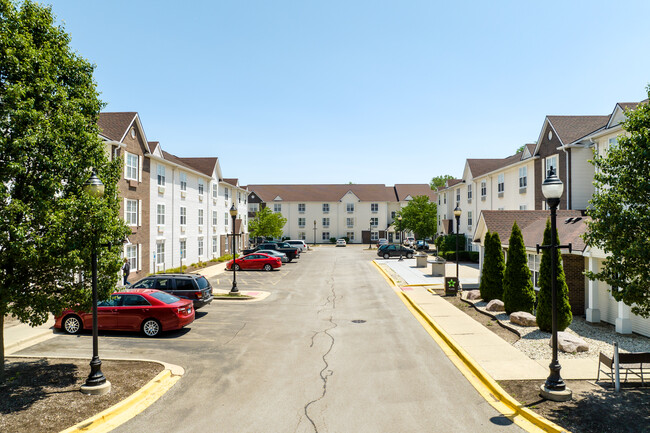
column 569, row 129
column 324, row 193
column 207, row 166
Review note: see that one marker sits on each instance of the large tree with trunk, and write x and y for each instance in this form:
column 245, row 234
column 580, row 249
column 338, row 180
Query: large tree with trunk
column 49, row 147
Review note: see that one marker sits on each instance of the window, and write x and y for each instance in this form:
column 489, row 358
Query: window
column 183, row 178
column 501, row 186
column 350, row 236
column 132, row 256
column 393, row 213
column 254, row 207
column 160, row 252
column 131, row 213
column 483, row 189
column 301, row 207
column 161, row 175
column 200, row 217
column 183, row 245
column 551, row 161
column 226, row 219
column 444, row 198
column 326, row 207
column 200, row 247
column 277, row 207
column 215, row 191
column 374, row 222
column 301, row 222
column 374, row 236
column 183, row 216
column 238, row 196
column 326, row 223
column 325, row 236
column 200, row 188
column 350, row 207
column 215, row 245
column 350, row 222
column 302, row 236
column 522, row 207
column 469, row 192
column 160, row 215
column 457, row 195
column 226, row 192
column 469, row 218
column 374, row 207
column 131, row 166
column 214, row 218
column 533, row 264
column 523, row 177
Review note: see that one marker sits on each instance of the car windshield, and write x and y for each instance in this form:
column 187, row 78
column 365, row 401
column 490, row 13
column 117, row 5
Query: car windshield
column 203, row 282
column 165, row 297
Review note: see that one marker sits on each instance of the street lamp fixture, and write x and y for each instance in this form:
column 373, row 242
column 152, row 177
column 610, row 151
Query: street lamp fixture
column 457, row 213
column 96, row 383
column 554, row 388
column 370, row 235
column 401, row 237
column 233, row 214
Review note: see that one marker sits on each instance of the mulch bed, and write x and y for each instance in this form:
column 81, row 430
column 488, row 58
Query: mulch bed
column 42, row 395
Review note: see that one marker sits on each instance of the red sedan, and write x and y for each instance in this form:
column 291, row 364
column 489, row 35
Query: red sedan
column 256, row 261
column 147, row 310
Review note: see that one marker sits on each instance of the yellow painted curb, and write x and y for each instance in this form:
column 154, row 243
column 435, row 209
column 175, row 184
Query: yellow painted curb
column 385, row 274
column 126, row 409
column 484, row 384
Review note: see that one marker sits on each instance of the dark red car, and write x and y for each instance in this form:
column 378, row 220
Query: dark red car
column 256, row 261
column 147, row 310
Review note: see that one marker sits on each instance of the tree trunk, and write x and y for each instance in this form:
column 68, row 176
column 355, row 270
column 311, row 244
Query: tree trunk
column 2, row 347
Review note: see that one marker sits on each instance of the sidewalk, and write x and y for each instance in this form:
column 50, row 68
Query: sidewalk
column 18, row 336
column 498, row 358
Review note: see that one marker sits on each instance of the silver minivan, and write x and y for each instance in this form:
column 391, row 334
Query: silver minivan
column 301, row 245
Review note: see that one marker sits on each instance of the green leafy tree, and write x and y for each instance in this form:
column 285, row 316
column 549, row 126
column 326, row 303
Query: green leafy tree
column 49, row 145
column 267, row 223
column 518, row 292
column 544, row 304
column 494, row 266
column 420, row 216
column 438, row 181
column 620, row 211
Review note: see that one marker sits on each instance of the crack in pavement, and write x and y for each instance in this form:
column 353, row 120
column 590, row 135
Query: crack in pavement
column 236, row 333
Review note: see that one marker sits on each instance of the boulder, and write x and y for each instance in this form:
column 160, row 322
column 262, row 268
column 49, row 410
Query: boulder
column 569, row 343
column 495, row 305
column 523, row 318
column 472, row 295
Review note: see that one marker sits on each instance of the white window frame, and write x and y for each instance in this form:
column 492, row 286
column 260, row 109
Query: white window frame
column 226, row 192
column 160, row 214
column 215, row 245
column 131, row 170
column 349, row 207
column 201, row 188
column 301, row 207
column 199, row 246
column 183, row 216
column 215, row 190
column 483, row 189
column 326, row 207
column 226, row 221
column 277, row 207
column 350, row 236
column 160, row 252
column 132, row 256
column 200, row 217
column 302, row 236
column 501, row 183
column 349, row 222
column 161, row 175
column 552, row 161
column 374, row 222
column 326, row 223
column 215, row 218
column 131, row 212
column 302, row 222
column 534, row 261
column 469, row 192
column 374, row 207
column 523, row 177
column 469, row 219
column 183, row 248
column 183, row 182
column 325, row 236
column 457, row 195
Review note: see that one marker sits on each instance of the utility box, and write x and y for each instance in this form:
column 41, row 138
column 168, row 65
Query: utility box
column 452, row 285
column 438, row 267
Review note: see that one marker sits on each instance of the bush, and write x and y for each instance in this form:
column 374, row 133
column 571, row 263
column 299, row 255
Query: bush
column 544, row 304
column 494, row 267
column 332, row 240
column 518, row 292
column 465, row 256
column 448, row 243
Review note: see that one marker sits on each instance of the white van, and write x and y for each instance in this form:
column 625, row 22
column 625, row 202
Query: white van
column 301, row 245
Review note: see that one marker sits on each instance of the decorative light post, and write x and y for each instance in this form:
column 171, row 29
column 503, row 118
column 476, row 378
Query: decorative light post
column 554, row 388
column 457, row 213
column 96, row 383
column 401, row 237
column 370, row 235
column 233, row 214
column 314, row 232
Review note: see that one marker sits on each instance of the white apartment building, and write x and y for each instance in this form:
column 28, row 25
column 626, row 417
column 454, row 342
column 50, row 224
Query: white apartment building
column 316, row 213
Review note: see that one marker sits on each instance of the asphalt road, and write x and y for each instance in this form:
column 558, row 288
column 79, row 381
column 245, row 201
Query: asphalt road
column 332, row 349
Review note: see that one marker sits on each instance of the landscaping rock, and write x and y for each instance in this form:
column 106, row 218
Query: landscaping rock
column 569, row 343
column 472, row 295
column 495, row 305
column 523, row 318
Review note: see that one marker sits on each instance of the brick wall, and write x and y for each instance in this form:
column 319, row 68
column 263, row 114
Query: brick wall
column 574, row 267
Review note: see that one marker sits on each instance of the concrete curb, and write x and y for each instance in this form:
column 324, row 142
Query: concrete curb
column 487, row 387
column 35, row 338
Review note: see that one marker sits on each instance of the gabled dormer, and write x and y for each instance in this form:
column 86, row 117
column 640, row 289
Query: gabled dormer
column 349, row 197
column 278, row 198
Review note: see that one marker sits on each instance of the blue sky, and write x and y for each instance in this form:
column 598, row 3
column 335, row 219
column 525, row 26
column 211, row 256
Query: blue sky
column 357, row 91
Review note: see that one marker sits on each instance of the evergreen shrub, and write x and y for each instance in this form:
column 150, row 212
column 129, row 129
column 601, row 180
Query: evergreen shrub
column 518, row 292
column 494, row 267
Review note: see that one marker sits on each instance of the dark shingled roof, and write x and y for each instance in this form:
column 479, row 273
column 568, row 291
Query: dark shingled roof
column 202, row 165
column 479, row 167
column 573, row 128
column 232, row 181
column 176, row 160
column 404, row 190
column 153, row 145
column 323, row 193
column 571, row 224
column 114, row 125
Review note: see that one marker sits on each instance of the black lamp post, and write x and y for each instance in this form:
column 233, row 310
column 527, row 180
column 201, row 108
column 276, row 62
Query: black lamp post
column 314, row 232
column 457, row 213
column 233, row 214
column 554, row 388
column 96, row 383
column 370, row 235
column 401, row 237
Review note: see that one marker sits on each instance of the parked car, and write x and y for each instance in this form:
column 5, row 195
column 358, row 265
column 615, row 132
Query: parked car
column 282, row 256
column 409, row 241
column 395, row 251
column 148, row 310
column 301, row 245
column 340, row 243
column 291, row 251
column 194, row 287
column 255, row 260
column 422, row 245
column 382, row 241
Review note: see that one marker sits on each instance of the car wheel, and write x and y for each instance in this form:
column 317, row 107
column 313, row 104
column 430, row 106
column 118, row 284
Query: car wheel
column 409, row 255
column 72, row 324
column 386, row 256
column 237, row 267
column 151, row 328
column 268, row 267
column 289, row 259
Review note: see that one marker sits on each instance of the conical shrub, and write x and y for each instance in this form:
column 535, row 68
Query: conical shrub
column 518, row 292
column 544, row 304
column 491, row 286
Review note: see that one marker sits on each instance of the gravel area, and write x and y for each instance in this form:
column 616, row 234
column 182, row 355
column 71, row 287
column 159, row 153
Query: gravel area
column 600, row 338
